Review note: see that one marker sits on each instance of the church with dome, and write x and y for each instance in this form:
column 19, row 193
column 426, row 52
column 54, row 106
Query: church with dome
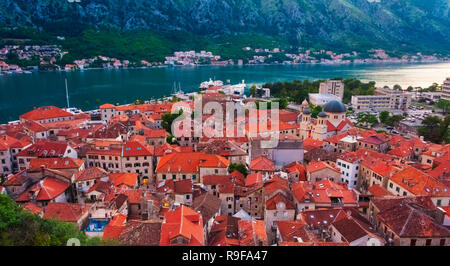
column 331, row 121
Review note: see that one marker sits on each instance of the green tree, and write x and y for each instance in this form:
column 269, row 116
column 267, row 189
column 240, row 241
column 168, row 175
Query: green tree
column 171, row 140
column 384, row 116
column 239, row 167
column 397, row 87
column 366, row 119
column 253, row 91
column 167, row 120
column 394, row 120
column 315, row 110
column 444, row 105
column 410, row 88
column 19, row 227
column 431, row 129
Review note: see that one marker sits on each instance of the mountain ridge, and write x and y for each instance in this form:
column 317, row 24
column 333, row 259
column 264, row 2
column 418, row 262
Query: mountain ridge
column 411, row 24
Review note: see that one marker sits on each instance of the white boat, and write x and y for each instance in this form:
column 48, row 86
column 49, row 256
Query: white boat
column 210, row 83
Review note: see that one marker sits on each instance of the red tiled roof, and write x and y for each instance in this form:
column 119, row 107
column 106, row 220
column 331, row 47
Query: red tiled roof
column 224, row 231
column 56, row 163
column 112, row 232
column 189, row 162
column 47, row 189
column 67, row 212
column 275, row 184
column 33, row 208
column 45, row 112
column 410, row 220
column 271, row 204
column 420, row 184
column 128, row 179
column 317, row 166
column 376, row 140
column 291, row 231
column 90, row 173
column 183, row 222
column 250, row 232
column 262, row 164
column 378, row 191
column 134, row 195
column 183, row 186
column 7, row 142
column 253, row 179
column 310, row 144
column 17, row 179
column 216, row 179
column 107, row 106
column 349, row 229
column 300, row 169
column 45, row 148
column 134, row 148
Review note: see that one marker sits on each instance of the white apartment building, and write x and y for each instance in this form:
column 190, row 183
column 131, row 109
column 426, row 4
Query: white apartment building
column 349, row 168
column 446, row 90
column 383, row 100
column 333, row 87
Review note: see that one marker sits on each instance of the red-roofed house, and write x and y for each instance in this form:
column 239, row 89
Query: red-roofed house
column 86, row 178
column 182, row 227
column 195, row 165
column 224, row 232
column 46, row 114
column 409, row 221
column 317, row 171
column 47, row 190
column 67, row 165
column 252, row 233
column 67, row 212
column 413, row 182
column 9, row 148
column 279, row 207
column 262, row 165
column 323, row 194
column 45, row 149
column 183, row 191
column 128, row 180
column 376, row 142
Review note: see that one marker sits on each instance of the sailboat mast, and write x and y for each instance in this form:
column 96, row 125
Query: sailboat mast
column 67, row 94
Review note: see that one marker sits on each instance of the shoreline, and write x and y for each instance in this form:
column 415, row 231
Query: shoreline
column 235, row 65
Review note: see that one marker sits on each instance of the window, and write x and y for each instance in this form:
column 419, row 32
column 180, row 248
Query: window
column 188, row 196
column 391, row 185
column 413, row 242
column 428, row 242
column 194, row 177
column 442, row 242
column 439, row 202
column 216, row 171
column 174, row 177
column 397, row 189
column 184, row 176
column 163, row 176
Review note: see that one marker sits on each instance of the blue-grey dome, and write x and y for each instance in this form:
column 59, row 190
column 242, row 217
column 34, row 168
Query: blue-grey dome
column 307, row 111
column 334, row 107
column 322, row 114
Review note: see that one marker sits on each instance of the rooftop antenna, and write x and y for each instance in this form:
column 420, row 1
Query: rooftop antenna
column 67, row 94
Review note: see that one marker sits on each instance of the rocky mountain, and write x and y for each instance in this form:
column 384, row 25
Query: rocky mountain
column 411, row 24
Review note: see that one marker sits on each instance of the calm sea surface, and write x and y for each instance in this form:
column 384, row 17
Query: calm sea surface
column 19, row 93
